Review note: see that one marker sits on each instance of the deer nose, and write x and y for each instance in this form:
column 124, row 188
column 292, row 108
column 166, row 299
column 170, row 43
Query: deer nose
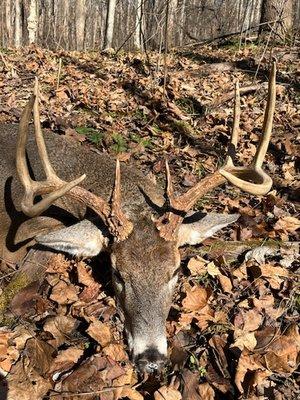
column 150, row 361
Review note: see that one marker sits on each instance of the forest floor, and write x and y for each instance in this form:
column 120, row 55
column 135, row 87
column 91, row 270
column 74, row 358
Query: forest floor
column 233, row 329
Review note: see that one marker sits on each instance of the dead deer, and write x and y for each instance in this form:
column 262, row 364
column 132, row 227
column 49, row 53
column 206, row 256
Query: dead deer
column 118, row 209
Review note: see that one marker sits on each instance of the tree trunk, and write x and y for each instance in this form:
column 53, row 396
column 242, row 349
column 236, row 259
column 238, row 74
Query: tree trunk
column 280, row 11
column 9, row 33
column 18, row 23
column 32, row 21
column 80, row 23
column 138, row 39
column 109, row 29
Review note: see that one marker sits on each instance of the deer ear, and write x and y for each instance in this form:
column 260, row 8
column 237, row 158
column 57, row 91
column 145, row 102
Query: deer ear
column 83, row 239
column 198, row 226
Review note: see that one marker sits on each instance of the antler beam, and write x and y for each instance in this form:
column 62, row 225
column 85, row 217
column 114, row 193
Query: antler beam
column 252, row 179
column 53, row 187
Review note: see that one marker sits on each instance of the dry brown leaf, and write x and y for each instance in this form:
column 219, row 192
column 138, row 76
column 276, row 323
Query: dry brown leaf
column 204, row 317
column 287, row 224
column 247, row 362
column 26, row 384
column 64, row 293
column 197, row 266
column 131, row 394
column 252, row 320
column 58, row 264
column 6, row 360
column 282, row 354
column 206, row 391
column 244, row 340
column 28, row 378
column 100, row 332
column 225, row 283
column 274, row 275
column 61, row 327
column 212, row 270
column 65, row 360
column 84, row 274
column 196, row 298
column 167, row 393
column 191, row 383
column 116, row 352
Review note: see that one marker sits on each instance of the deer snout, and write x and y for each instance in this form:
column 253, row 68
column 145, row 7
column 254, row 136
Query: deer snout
column 150, row 361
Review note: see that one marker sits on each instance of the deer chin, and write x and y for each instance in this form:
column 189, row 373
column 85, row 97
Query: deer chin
column 148, row 354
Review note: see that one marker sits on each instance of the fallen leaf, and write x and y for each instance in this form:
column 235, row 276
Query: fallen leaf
column 206, row 391
column 197, row 266
column 61, row 327
column 64, row 293
column 116, row 352
column 100, row 332
column 65, row 360
column 167, row 393
column 196, row 298
column 287, row 224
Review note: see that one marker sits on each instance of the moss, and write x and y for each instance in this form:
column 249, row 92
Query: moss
column 15, row 285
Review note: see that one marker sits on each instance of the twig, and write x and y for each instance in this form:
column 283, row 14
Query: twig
column 3, row 60
column 166, row 48
column 230, row 95
column 225, row 36
column 264, row 50
column 69, row 394
column 58, row 73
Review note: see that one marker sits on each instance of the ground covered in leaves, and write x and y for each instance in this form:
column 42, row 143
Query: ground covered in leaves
column 233, row 327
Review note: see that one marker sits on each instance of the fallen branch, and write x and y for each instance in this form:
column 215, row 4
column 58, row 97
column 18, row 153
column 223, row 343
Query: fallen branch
column 229, row 96
column 231, row 250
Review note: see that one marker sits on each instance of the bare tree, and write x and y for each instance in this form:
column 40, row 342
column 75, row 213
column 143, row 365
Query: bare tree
column 109, row 28
column 18, row 23
column 80, row 23
column 138, row 39
column 278, row 13
column 32, row 21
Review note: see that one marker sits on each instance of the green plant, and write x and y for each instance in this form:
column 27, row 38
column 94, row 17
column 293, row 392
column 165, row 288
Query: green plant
column 120, row 145
column 145, row 142
column 193, row 365
column 93, row 135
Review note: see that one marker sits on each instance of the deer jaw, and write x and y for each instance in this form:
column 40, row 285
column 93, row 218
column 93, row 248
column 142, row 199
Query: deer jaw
column 144, row 274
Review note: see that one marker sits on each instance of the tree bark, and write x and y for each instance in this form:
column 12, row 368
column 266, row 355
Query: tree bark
column 138, row 39
column 32, row 21
column 18, row 24
column 80, row 15
column 277, row 10
column 109, row 29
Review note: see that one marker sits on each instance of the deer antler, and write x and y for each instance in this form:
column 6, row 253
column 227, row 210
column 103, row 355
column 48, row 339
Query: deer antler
column 53, row 187
column 252, row 179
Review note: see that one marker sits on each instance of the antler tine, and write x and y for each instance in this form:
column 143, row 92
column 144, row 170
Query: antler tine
column 54, row 187
column 21, row 162
column 253, row 179
column 53, row 184
column 235, row 127
column 120, row 225
column 268, row 120
column 250, row 179
column 39, row 135
column 169, row 188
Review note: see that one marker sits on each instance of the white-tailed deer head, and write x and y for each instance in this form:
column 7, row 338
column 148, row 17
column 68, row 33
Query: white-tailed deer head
column 144, row 253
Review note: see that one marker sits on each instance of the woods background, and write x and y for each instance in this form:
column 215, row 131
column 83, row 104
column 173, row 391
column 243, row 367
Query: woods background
column 141, row 24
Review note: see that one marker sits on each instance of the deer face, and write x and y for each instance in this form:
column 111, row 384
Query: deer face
column 144, row 273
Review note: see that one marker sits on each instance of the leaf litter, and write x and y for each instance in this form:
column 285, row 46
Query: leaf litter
column 234, row 324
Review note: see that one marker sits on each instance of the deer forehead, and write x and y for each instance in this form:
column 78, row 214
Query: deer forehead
column 145, row 250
